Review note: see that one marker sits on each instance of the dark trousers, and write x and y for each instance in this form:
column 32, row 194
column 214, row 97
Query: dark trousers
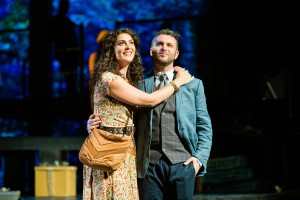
column 165, row 180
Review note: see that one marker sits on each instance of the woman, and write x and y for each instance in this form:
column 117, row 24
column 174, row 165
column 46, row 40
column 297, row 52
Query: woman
column 113, row 99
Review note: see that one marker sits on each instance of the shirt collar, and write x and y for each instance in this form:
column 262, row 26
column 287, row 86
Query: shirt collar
column 170, row 73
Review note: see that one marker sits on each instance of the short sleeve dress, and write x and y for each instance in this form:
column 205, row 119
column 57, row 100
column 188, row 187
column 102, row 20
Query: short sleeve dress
column 122, row 183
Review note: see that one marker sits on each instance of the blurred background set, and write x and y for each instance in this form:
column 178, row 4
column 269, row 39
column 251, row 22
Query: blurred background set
column 243, row 52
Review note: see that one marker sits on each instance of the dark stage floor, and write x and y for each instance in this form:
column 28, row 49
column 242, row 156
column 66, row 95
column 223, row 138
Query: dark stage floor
column 266, row 196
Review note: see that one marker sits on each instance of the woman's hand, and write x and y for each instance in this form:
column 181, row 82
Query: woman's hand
column 182, row 76
column 178, row 68
column 93, row 122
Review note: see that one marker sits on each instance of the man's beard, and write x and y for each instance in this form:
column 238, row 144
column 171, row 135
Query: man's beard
column 162, row 62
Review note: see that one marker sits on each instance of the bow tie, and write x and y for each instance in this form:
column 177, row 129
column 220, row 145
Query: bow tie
column 161, row 80
column 159, row 76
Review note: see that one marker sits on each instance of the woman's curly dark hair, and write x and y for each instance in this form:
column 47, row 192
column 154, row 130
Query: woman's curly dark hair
column 108, row 63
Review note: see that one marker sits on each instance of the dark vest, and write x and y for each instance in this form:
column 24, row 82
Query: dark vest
column 165, row 140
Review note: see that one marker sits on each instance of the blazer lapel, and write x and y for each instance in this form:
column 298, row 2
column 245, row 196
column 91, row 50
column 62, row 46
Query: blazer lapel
column 178, row 97
column 149, row 84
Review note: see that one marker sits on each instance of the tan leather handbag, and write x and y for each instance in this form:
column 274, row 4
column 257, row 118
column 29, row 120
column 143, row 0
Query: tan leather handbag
column 104, row 150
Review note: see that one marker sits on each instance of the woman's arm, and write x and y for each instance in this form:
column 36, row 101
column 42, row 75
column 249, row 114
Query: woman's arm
column 123, row 91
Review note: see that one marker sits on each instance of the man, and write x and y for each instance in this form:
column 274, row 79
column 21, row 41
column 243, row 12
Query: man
column 173, row 139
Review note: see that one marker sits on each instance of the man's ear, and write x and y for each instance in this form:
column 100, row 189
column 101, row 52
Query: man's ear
column 177, row 54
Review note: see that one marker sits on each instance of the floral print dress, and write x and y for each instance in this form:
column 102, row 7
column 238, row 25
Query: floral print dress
column 122, row 183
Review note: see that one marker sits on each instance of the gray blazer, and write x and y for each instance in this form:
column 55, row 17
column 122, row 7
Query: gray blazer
column 193, row 122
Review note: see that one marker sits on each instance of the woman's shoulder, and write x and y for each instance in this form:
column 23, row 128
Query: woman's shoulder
column 109, row 76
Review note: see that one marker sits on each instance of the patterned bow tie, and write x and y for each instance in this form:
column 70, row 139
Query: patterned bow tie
column 161, row 80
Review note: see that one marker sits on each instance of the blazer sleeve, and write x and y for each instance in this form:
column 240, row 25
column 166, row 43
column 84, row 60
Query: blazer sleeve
column 203, row 129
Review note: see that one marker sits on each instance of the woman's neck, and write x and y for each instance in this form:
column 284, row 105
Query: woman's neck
column 123, row 72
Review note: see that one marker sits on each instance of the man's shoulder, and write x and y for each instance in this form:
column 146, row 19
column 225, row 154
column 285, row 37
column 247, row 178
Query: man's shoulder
column 195, row 83
column 197, row 79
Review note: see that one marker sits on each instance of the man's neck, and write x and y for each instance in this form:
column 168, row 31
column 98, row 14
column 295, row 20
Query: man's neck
column 163, row 69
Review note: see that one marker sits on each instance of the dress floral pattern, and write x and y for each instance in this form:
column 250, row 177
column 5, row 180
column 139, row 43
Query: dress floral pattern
column 122, row 183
